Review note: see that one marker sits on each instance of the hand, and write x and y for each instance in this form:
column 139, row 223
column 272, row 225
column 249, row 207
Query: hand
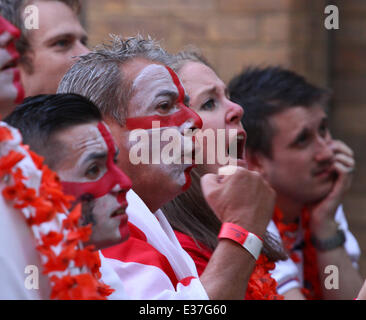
column 322, row 221
column 243, row 198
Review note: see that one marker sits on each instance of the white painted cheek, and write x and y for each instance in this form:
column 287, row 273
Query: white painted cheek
column 106, row 228
column 8, row 92
column 5, row 57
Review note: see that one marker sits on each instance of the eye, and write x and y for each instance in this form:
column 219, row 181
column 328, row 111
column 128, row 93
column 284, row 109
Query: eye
column 208, row 105
column 93, row 171
column 302, row 140
column 164, row 107
column 323, row 129
column 62, row 43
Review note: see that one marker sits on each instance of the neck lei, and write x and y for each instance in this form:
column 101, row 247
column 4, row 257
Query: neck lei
column 261, row 285
column 312, row 287
column 73, row 271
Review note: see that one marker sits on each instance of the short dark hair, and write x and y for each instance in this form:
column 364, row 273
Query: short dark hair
column 11, row 10
column 38, row 118
column 264, row 92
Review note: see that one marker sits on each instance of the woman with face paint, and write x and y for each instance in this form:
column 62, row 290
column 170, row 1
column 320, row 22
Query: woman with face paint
column 11, row 90
column 196, row 226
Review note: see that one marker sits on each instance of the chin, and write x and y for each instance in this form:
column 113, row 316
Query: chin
column 319, row 195
column 124, row 234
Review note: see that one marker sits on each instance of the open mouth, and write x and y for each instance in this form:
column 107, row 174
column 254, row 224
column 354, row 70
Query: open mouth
column 237, row 147
column 119, row 212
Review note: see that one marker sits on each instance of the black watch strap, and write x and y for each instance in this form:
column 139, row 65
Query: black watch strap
column 331, row 243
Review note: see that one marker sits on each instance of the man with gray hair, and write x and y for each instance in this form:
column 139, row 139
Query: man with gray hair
column 51, row 36
column 131, row 84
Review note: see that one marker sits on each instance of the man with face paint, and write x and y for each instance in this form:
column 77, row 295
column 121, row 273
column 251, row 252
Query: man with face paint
column 11, row 90
column 137, row 93
column 68, row 132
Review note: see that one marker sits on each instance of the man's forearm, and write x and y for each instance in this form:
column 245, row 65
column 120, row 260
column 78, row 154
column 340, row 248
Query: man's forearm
column 228, row 271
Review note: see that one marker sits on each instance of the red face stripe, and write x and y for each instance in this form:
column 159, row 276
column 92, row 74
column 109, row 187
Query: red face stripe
column 178, row 85
column 6, row 26
column 110, row 179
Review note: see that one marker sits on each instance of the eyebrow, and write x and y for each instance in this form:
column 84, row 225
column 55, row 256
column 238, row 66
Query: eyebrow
column 94, row 156
column 207, row 90
column 169, row 93
column 69, row 35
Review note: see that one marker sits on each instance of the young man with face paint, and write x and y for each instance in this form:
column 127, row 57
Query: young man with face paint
column 132, row 86
column 48, row 48
column 68, row 132
column 290, row 144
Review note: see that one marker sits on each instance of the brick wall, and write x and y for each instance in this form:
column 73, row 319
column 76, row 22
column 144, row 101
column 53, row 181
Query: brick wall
column 231, row 33
column 348, row 81
column 237, row 33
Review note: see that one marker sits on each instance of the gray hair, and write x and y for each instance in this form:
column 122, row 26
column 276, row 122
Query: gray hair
column 99, row 76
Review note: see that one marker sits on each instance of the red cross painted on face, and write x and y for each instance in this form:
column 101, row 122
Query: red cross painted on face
column 13, row 34
column 176, row 119
column 113, row 176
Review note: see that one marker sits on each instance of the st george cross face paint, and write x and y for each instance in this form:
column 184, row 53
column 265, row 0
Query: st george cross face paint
column 11, row 90
column 160, row 95
column 89, row 173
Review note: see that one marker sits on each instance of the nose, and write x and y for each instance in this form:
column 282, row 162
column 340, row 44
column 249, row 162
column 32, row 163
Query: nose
column 194, row 117
column 122, row 179
column 81, row 49
column 324, row 152
column 234, row 114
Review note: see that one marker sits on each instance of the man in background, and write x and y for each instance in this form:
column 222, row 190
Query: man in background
column 48, row 52
column 290, row 144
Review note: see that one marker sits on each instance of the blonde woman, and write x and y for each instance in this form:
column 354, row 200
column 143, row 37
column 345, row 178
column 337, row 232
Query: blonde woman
column 195, row 224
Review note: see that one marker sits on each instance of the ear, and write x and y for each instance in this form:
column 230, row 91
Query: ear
column 255, row 161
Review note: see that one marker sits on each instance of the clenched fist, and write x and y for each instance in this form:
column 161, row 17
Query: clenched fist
column 243, row 198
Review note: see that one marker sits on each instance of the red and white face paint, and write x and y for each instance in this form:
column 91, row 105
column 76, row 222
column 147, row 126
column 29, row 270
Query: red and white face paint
column 159, row 98
column 89, row 173
column 11, row 90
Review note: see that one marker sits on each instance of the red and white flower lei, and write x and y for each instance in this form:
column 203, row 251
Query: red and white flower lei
column 73, row 271
column 261, row 285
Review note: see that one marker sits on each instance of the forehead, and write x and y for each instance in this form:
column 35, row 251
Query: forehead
column 80, row 140
column 149, row 81
column 197, row 78
column 153, row 77
column 55, row 18
column 291, row 121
